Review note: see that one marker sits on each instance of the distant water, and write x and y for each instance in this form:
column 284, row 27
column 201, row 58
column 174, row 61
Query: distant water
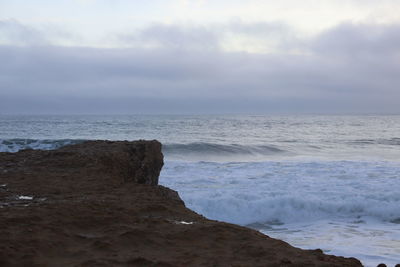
column 329, row 182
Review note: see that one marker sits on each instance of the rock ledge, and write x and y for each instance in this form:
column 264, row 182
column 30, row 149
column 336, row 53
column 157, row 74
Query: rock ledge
column 98, row 204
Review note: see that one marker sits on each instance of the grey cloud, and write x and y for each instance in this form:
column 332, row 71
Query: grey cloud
column 174, row 37
column 365, row 40
column 210, row 37
column 257, row 28
column 276, row 31
column 366, row 55
column 328, row 78
column 13, row 32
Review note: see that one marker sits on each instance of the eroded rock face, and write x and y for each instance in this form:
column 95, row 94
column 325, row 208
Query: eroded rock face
column 139, row 162
column 90, row 166
column 98, row 204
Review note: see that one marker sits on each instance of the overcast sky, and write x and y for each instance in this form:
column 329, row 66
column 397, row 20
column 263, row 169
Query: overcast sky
column 199, row 56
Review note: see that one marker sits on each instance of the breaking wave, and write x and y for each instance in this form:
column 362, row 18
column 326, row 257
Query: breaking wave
column 14, row 145
column 212, row 151
column 262, row 192
column 389, row 142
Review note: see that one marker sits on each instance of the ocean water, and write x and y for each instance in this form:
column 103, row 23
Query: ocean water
column 329, row 182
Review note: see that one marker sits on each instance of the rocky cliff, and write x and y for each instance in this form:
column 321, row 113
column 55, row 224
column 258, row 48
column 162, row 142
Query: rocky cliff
column 98, row 204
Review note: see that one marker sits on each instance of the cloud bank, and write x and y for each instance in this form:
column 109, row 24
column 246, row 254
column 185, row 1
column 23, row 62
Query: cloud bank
column 351, row 68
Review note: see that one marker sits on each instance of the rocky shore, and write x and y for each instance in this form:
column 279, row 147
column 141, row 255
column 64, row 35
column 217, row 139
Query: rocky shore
column 99, row 204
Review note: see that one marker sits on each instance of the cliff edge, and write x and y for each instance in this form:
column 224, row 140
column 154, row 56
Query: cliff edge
column 99, row 204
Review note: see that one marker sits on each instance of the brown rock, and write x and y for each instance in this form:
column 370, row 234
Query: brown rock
column 98, row 204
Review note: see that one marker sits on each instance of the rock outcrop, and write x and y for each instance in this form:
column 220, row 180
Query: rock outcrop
column 98, row 204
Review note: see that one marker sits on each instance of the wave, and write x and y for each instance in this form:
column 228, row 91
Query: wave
column 389, row 142
column 17, row 144
column 204, row 150
column 270, row 210
column 287, row 191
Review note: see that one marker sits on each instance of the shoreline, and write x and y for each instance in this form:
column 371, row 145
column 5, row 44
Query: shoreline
column 99, row 204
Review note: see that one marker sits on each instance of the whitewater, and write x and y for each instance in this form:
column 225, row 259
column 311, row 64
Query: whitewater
column 329, row 182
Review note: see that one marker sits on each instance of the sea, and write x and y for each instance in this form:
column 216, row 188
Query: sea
column 314, row 181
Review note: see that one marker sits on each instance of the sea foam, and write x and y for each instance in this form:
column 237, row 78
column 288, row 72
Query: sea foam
column 262, row 192
column 346, row 208
column 14, row 145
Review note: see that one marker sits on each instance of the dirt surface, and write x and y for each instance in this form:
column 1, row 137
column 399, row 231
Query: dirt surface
column 98, row 204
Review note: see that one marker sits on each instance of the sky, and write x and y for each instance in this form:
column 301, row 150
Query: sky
column 199, row 56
